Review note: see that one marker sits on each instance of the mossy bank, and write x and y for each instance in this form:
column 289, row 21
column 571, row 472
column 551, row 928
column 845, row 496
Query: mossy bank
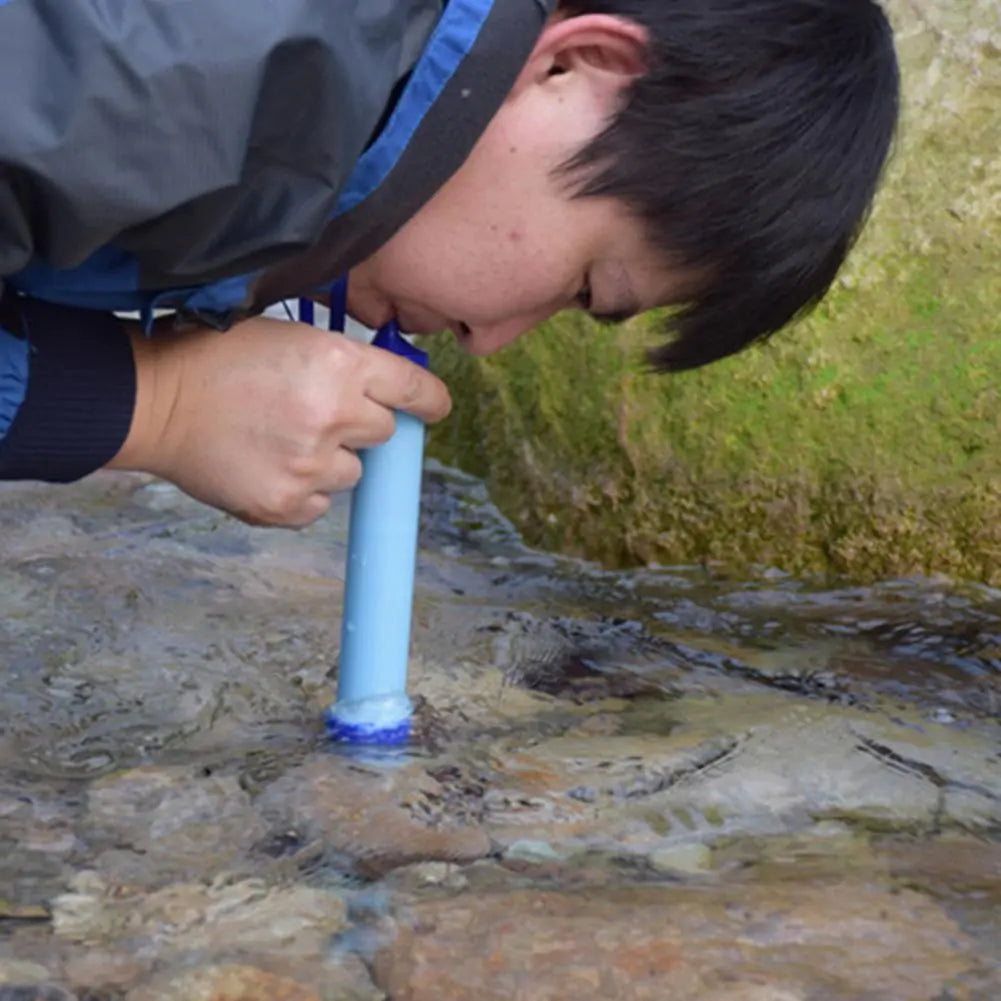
column 864, row 442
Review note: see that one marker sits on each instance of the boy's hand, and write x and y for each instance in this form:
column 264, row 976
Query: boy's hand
column 263, row 420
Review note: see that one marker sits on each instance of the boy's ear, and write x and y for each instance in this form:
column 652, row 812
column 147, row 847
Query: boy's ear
column 598, row 43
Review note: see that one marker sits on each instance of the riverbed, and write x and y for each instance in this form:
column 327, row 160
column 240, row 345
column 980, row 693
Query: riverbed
column 652, row 784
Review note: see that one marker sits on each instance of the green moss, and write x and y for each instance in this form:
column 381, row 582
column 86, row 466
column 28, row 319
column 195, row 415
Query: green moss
column 864, row 822
column 863, row 442
column 682, row 814
column 657, row 822
column 714, row 816
column 847, row 446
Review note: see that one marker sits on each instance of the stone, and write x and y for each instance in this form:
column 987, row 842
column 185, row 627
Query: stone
column 527, row 850
column 228, row 982
column 959, row 863
column 35, row 992
column 329, row 981
column 744, row 941
column 686, row 860
column 379, row 817
column 103, row 971
column 423, row 874
column 175, row 818
column 246, row 915
column 749, row 763
column 15, row 971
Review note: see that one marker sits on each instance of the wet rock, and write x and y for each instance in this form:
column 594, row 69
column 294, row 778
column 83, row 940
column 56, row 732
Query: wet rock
column 578, row 791
column 342, row 981
column 35, row 992
column 37, row 823
column 741, row 764
column 753, row 942
column 753, row 992
column 17, row 971
column 338, row 976
column 224, row 983
column 581, row 661
column 546, row 787
column 29, row 878
column 429, row 874
column 222, row 917
column 527, row 850
column 103, row 971
column 954, row 864
column 378, row 817
column 36, row 836
column 177, row 819
column 10, row 910
column 691, row 859
column 460, row 697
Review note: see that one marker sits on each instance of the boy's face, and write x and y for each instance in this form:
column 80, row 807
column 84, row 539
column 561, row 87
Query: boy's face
column 502, row 246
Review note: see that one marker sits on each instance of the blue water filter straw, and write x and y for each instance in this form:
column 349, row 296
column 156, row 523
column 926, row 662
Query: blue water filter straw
column 372, row 705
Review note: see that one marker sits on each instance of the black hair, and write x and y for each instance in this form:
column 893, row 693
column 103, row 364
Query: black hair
column 750, row 150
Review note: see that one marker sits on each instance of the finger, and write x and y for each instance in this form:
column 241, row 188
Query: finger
column 342, row 472
column 403, row 385
column 296, row 500
column 373, row 424
column 313, row 507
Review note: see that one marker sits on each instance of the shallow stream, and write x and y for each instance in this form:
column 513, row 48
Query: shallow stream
column 647, row 785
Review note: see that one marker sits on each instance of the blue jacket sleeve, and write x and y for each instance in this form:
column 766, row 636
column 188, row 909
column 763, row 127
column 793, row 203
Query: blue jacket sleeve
column 13, row 377
column 67, row 390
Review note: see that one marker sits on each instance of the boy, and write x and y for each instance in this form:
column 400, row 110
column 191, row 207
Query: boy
column 472, row 165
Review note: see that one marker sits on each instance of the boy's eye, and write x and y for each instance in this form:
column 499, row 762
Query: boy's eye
column 583, row 297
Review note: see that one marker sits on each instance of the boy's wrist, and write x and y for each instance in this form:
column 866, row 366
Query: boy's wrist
column 145, row 447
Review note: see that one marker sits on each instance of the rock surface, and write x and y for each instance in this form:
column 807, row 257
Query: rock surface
column 845, row 940
column 639, row 785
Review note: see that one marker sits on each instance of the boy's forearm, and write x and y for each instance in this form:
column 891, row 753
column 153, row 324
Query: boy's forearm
column 77, row 391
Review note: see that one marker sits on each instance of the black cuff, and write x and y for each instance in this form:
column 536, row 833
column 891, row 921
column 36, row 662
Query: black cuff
column 81, row 393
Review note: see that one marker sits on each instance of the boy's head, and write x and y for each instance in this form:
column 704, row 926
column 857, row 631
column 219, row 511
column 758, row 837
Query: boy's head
column 717, row 155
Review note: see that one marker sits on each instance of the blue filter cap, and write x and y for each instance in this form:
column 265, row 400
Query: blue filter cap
column 390, row 338
column 378, row 719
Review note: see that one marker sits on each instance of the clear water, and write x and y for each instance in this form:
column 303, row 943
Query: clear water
column 140, row 630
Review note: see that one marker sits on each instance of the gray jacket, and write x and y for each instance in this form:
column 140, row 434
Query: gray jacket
column 209, row 158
